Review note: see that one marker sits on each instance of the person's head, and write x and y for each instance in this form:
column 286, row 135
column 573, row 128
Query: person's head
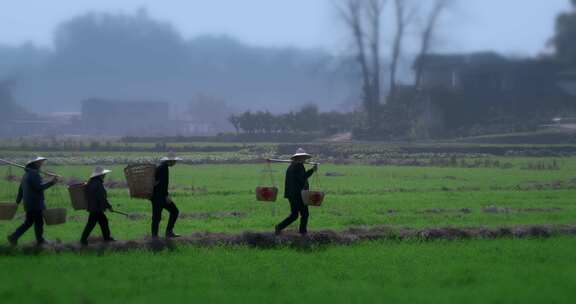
column 99, row 173
column 170, row 160
column 299, row 159
column 36, row 163
column 300, row 156
column 169, row 163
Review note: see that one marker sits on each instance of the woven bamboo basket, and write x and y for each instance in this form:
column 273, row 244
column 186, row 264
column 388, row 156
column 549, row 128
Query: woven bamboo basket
column 8, row 211
column 266, row 194
column 141, row 179
column 312, row 198
column 78, row 196
column 55, row 216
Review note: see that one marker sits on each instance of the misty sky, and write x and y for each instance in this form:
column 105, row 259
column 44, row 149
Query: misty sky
column 514, row 27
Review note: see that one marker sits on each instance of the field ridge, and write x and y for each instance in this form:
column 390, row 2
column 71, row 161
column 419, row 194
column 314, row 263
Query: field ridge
column 294, row 240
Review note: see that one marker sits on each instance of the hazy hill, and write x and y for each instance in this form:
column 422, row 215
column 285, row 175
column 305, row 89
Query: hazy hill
column 133, row 57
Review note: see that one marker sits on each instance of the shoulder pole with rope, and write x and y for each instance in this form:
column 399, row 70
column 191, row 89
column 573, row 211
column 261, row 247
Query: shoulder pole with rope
column 289, row 161
column 54, row 175
column 24, row 167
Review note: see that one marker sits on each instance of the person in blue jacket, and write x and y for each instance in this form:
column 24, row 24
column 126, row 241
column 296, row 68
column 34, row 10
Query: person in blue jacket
column 31, row 191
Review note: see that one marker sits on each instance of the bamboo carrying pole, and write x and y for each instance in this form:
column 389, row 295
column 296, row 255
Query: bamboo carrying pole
column 289, row 161
column 23, row 167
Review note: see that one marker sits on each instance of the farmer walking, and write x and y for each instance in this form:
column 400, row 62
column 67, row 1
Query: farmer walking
column 97, row 201
column 31, row 191
column 161, row 197
column 296, row 181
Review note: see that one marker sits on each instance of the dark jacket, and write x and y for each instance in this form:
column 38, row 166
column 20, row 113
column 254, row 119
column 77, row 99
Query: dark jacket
column 96, row 196
column 162, row 181
column 296, row 180
column 32, row 190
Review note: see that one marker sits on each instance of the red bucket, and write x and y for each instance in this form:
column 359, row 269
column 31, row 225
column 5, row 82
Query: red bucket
column 266, row 194
column 312, row 198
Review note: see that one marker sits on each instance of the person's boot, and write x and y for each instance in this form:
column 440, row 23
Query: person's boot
column 109, row 240
column 12, row 241
column 41, row 242
column 171, row 235
column 277, row 231
column 84, row 242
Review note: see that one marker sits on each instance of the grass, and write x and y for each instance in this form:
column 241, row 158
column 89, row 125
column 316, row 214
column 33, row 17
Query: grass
column 365, row 195
column 475, row 271
column 479, row 271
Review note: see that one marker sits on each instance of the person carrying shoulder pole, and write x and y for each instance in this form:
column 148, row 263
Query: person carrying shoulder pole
column 31, row 191
column 97, row 201
column 161, row 197
column 296, row 181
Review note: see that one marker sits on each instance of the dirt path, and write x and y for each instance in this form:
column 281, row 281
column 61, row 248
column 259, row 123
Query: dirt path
column 294, row 240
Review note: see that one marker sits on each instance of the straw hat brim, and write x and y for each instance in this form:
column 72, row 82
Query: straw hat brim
column 38, row 159
column 163, row 159
column 305, row 155
column 104, row 172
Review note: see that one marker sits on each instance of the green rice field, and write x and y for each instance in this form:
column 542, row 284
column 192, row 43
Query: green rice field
column 220, row 198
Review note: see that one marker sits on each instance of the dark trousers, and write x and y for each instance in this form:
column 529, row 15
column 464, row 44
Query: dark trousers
column 35, row 218
column 93, row 218
column 159, row 204
column 296, row 207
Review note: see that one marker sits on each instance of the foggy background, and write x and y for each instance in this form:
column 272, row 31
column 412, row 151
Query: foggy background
column 210, row 59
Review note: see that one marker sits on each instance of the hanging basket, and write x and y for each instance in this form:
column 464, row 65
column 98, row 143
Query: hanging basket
column 141, row 179
column 312, row 198
column 78, row 196
column 7, row 211
column 266, row 194
column 55, row 216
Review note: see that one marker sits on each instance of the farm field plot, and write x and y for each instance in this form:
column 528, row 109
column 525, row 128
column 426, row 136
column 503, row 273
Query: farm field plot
column 220, row 198
column 476, row 271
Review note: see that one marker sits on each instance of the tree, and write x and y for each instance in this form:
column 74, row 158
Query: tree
column 364, row 19
column 123, row 43
column 307, row 119
column 248, row 122
column 404, row 14
column 564, row 40
column 235, row 121
column 427, row 35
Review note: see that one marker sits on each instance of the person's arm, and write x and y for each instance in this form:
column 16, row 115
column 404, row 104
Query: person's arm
column 35, row 182
column 311, row 171
column 44, row 186
column 20, row 195
column 49, row 184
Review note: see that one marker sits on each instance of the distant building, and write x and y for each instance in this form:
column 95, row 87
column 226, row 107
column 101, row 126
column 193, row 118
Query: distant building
column 108, row 117
column 488, row 73
column 488, row 89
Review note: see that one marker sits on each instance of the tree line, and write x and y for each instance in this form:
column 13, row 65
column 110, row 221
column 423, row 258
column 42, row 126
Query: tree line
column 306, row 120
